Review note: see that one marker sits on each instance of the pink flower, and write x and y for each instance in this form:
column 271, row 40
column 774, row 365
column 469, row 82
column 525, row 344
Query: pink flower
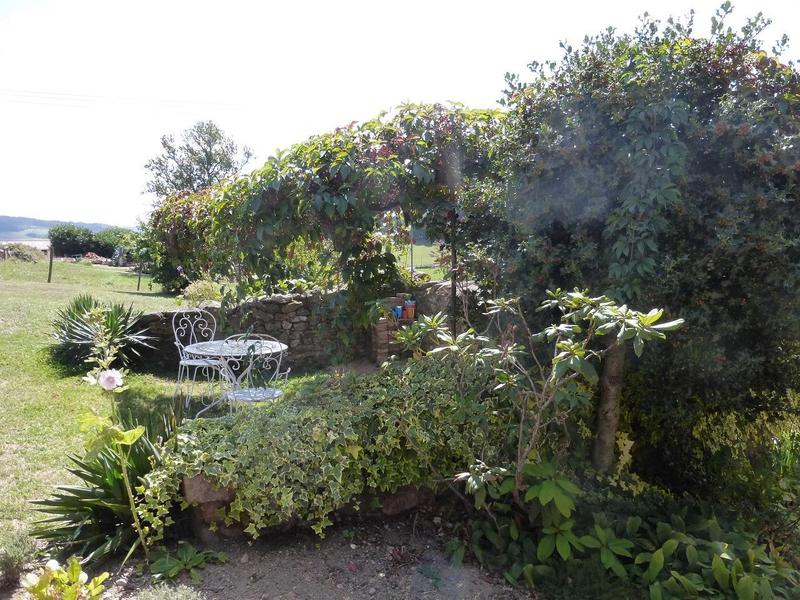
column 110, row 379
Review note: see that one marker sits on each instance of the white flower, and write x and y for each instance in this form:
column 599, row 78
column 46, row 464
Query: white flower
column 83, row 578
column 52, row 565
column 109, row 380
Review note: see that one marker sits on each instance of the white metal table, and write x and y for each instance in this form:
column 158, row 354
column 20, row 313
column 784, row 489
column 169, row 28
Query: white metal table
column 235, row 357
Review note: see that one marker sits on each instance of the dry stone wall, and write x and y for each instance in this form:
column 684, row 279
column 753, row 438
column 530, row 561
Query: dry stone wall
column 301, row 321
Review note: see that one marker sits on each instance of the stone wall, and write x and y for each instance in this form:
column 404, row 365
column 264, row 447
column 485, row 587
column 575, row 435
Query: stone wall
column 301, row 321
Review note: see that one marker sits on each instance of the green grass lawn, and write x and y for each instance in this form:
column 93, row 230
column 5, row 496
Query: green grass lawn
column 40, row 401
column 424, row 261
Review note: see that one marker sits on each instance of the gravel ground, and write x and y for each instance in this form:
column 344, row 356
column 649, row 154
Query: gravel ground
column 398, row 559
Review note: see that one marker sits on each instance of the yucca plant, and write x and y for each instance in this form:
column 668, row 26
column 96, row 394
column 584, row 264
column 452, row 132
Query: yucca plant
column 93, row 518
column 85, row 320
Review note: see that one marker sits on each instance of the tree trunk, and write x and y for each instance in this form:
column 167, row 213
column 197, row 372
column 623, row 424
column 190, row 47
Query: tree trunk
column 608, row 407
column 453, row 266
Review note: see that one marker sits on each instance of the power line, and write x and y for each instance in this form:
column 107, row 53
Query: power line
column 71, row 100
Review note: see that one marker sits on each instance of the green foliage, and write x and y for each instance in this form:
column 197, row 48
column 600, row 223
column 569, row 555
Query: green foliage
column 543, row 394
column 16, row 550
column 672, row 551
column 176, row 241
column 324, row 445
column 57, row 582
column 93, row 518
column 166, row 565
column 202, row 290
column 660, row 166
column 108, row 240
column 85, row 324
column 23, row 252
column 71, row 239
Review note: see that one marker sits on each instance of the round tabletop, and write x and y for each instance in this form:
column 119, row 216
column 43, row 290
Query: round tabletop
column 235, row 348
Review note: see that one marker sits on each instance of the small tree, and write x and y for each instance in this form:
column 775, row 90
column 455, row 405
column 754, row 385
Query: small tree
column 205, row 157
column 70, row 239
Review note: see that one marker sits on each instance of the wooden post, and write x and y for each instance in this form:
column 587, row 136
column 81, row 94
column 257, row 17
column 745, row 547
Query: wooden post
column 139, row 280
column 411, row 238
column 50, row 265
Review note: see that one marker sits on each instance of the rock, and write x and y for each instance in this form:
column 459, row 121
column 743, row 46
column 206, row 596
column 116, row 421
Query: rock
column 406, row 498
column 434, row 296
column 199, row 489
column 206, row 500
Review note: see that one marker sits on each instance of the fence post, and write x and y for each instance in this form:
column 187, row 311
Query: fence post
column 139, row 280
column 50, row 265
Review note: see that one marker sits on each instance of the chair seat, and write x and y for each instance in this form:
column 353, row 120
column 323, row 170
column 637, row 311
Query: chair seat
column 201, row 362
column 259, row 394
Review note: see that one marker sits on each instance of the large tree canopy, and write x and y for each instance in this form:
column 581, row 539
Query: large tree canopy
column 334, row 186
column 660, row 168
column 206, row 157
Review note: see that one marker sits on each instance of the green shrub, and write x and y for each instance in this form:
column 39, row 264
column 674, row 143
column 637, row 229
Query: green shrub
column 109, row 239
column 71, row 239
column 84, row 321
column 327, row 443
column 168, row 592
column 16, row 550
column 92, row 517
column 655, row 165
column 24, row 252
column 202, row 290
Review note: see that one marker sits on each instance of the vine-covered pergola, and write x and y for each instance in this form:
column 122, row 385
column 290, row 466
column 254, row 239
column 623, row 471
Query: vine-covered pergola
column 335, row 186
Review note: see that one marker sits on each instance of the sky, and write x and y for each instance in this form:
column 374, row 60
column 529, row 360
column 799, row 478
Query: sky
column 88, row 87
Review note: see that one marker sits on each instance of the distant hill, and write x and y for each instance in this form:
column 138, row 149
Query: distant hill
column 14, row 229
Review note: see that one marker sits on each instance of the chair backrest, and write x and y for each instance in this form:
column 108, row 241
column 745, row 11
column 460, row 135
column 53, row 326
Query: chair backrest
column 192, row 326
column 262, row 365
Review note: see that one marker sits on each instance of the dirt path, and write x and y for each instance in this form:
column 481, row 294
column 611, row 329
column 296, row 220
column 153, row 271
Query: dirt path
column 399, row 559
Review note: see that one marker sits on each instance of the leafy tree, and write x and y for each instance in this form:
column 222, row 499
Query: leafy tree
column 335, row 187
column 177, row 243
column 111, row 238
column 205, row 157
column 71, row 239
column 660, row 168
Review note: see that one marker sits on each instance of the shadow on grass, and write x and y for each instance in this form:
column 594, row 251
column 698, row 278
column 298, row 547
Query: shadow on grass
column 61, row 363
column 145, row 293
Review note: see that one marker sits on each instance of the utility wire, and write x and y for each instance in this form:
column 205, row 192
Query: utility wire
column 51, row 98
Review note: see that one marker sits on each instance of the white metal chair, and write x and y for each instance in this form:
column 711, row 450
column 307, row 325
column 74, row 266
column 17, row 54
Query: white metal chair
column 190, row 327
column 258, row 373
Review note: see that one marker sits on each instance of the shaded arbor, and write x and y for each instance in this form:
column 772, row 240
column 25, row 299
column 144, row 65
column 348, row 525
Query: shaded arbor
column 334, row 187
